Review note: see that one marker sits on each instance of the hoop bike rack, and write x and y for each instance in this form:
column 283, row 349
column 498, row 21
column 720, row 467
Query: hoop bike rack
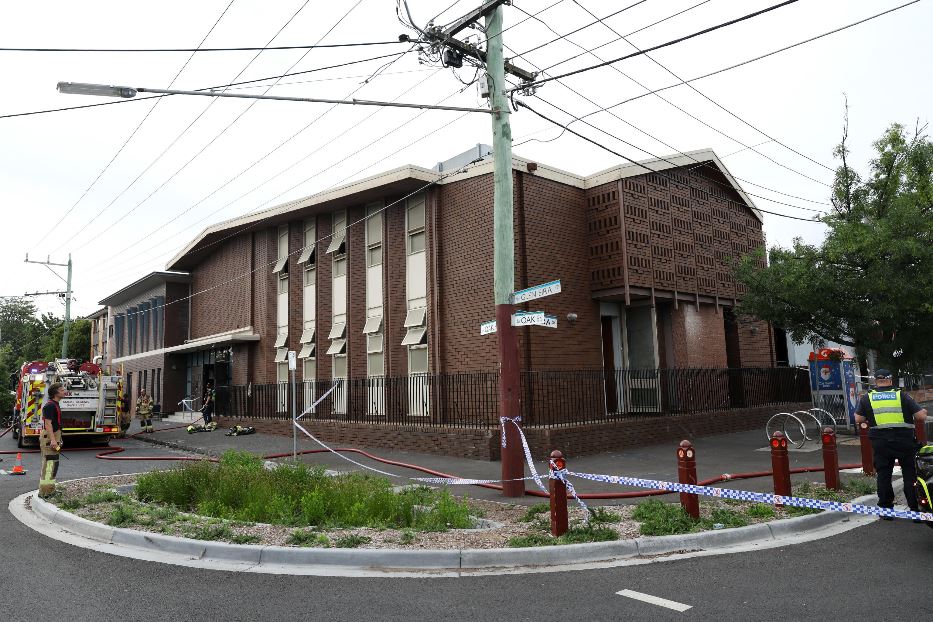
column 798, row 426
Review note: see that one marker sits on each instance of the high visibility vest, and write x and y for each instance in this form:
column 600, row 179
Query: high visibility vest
column 888, row 409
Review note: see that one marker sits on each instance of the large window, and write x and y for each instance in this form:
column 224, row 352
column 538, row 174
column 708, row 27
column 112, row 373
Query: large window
column 281, row 262
column 416, row 332
column 375, row 364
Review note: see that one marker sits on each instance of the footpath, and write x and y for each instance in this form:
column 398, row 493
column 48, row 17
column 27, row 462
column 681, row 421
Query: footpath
column 741, row 452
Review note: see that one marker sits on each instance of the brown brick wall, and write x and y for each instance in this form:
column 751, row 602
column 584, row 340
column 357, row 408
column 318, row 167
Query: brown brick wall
column 756, row 342
column 262, row 245
column 176, row 313
column 356, row 294
column 220, row 284
column 699, row 337
column 395, row 300
column 325, row 271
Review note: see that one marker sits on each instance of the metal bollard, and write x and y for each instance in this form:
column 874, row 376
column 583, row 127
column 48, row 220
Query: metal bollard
column 780, row 464
column 687, row 474
column 868, row 462
column 920, row 430
column 830, row 459
column 558, row 490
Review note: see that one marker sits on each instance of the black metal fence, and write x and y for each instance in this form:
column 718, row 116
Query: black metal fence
column 549, row 398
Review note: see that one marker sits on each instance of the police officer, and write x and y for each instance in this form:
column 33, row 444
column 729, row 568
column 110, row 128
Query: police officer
column 891, row 414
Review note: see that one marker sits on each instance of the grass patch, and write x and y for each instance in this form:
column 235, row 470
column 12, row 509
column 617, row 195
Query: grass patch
column 213, row 532
column 244, row 538
column 725, row 517
column 532, row 513
column 575, row 535
column 761, row 510
column 662, row 519
column 238, row 488
column 535, row 539
column 351, row 541
column 123, row 514
column 304, row 537
column 102, row 495
column 603, row 516
column 407, row 537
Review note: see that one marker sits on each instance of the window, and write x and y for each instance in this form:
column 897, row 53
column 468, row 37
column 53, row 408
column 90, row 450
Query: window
column 281, row 355
column 281, row 263
column 337, row 331
column 338, row 238
column 340, row 366
column 309, row 369
column 416, row 262
column 415, row 317
column 340, row 267
column 373, row 324
column 416, row 335
column 417, row 360
column 307, row 351
column 337, row 346
column 281, row 322
column 416, row 242
column 307, row 335
column 307, row 252
column 281, row 372
column 374, row 256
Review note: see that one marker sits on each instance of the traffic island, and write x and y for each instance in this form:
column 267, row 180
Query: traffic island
column 115, row 515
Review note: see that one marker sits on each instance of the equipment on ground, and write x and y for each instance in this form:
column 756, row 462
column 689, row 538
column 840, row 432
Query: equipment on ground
column 924, row 462
column 92, row 405
column 197, row 427
column 241, row 430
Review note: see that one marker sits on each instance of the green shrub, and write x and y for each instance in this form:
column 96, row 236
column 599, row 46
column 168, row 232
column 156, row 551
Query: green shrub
column 725, row 517
column 351, row 541
column 535, row 539
column 588, row 533
column 102, row 495
column 407, row 537
column 662, row 519
column 213, row 532
column 244, row 538
column 602, row 515
column 303, row 537
column 860, row 487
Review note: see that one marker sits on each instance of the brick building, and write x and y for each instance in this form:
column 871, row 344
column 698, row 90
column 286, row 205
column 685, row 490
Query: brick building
column 391, row 276
column 101, row 331
column 149, row 320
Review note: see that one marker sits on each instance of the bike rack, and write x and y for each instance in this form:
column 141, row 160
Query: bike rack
column 780, row 421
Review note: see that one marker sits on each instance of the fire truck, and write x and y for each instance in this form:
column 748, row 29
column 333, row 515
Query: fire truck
column 91, row 407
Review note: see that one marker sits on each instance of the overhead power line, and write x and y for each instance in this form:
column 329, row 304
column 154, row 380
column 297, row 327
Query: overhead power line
column 699, row 33
column 134, row 132
column 662, row 173
column 200, row 49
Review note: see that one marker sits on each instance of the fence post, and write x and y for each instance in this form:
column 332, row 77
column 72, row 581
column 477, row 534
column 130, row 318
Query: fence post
column 558, row 490
column 780, row 464
column 868, row 465
column 687, row 474
column 830, row 459
column 921, row 431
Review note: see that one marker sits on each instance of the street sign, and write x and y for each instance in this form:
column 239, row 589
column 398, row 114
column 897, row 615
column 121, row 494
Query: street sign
column 538, row 291
column 522, row 318
column 292, row 362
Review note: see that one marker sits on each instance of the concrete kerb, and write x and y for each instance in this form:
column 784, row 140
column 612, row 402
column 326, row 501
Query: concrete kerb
column 287, row 560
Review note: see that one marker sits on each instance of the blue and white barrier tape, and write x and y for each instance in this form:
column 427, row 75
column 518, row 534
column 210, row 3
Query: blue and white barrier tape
column 759, row 497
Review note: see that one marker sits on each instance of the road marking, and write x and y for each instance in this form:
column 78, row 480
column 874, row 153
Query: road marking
column 655, row 600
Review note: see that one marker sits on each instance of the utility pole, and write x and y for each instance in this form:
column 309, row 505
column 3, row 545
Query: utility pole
column 66, row 293
column 513, row 465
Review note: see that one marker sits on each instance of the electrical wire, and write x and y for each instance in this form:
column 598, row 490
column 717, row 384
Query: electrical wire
column 200, row 49
column 699, row 33
column 355, row 125
column 152, row 108
column 707, row 97
column 658, row 172
column 215, row 138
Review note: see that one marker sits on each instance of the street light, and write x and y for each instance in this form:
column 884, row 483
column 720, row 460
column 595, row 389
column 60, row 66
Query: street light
column 104, row 90
column 126, row 92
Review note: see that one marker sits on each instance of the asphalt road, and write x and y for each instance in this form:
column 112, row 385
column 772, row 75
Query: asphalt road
column 846, row 577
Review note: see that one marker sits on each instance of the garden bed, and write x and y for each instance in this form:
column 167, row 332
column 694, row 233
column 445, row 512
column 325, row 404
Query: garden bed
column 241, row 502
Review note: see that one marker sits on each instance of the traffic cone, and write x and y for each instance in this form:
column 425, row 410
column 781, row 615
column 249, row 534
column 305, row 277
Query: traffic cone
column 18, row 468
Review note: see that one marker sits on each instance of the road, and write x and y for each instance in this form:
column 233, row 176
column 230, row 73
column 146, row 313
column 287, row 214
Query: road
column 839, row 578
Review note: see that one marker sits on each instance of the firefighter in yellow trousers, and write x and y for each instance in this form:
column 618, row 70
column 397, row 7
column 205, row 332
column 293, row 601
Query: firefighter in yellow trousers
column 50, row 441
column 144, row 411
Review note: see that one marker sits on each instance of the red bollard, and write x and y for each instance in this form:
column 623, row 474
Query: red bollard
column 780, row 465
column 687, row 474
column 920, row 430
column 558, row 490
column 868, row 461
column 830, row 459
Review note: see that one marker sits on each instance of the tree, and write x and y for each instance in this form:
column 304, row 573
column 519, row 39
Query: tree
column 870, row 283
column 79, row 341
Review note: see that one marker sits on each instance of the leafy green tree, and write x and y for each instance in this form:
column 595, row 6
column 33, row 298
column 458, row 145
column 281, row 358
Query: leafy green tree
column 870, row 283
column 79, row 340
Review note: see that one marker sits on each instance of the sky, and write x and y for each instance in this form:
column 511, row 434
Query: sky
column 123, row 187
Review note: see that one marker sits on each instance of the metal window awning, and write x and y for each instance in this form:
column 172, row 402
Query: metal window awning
column 337, row 346
column 415, row 317
column 280, row 340
column 337, row 330
column 373, row 324
column 306, row 253
column 280, row 265
column 220, row 340
column 415, row 336
column 281, row 355
column 307, row 351
column 307, row 335
column 337, row 241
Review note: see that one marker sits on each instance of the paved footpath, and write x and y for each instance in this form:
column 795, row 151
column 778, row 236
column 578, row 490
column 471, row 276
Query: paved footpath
column 716, row 455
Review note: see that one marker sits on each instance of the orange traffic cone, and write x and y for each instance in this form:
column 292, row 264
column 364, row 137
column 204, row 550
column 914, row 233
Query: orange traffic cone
column 18, row 469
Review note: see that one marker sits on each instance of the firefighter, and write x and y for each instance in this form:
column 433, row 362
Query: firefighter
column 207, row 410
column 891, row 414
column 126, row 417
column 144, row 410
column 50, row 441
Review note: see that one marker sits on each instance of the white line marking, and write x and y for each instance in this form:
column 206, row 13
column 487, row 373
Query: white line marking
column 655, row 600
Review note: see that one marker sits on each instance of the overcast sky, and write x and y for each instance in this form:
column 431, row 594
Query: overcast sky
column 143, row 209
